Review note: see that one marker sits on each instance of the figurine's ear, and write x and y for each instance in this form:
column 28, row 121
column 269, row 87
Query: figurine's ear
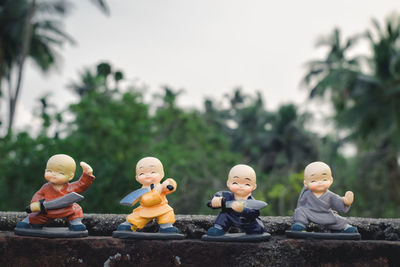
column 255, row 186
column 305, row 184
column 71, row 177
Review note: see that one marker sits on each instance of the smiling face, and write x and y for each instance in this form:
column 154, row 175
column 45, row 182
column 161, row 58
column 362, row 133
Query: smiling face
column 242, row 180
column 60, row 169
column 318, row 177
column 149, row 171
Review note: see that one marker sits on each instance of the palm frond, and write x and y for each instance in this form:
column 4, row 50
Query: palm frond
column 102, row 5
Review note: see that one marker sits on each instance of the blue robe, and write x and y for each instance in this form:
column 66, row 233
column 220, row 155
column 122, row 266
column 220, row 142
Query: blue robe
column 247, row 220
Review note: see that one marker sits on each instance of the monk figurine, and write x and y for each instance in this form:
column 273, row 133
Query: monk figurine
column 153, row 203
column 238, row 208
column 318, row 204
column 57, row 198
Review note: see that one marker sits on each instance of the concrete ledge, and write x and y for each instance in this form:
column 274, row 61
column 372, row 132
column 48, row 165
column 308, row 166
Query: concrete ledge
column 108, row 251
column 100, row 249
column 194, row 226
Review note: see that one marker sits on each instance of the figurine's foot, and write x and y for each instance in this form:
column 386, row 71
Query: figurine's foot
column 168, row 230
column 25, row 225
column 77, row 227
column 350, row 229
column 298, row 227
column 124, row 227
column 214, row 231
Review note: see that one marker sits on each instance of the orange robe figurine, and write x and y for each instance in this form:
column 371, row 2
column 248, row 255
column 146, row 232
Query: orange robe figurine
column 60, row 169
column 49, row 192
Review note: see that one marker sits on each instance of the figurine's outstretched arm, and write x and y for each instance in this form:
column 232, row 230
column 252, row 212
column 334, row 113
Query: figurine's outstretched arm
column 337, row 203
column 85, row 181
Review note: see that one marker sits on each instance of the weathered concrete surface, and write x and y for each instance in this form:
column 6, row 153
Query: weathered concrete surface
column 100, row 249
column 107, row 251
column 194, row 226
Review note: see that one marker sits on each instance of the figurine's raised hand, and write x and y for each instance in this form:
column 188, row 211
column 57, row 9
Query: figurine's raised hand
column 86, row 168
column 348, row 198
column 216, row 202
column 167, row 185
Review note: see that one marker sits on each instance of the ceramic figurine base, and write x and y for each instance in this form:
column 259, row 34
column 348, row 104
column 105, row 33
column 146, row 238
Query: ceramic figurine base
column 320, row 235
column 51, row 232
column 147, row 236
column 237, row 237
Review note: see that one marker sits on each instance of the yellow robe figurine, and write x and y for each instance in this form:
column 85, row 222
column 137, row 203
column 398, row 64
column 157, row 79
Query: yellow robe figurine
column 153, row 203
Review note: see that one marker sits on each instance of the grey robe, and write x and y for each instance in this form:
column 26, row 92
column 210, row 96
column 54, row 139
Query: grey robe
column 319, row 210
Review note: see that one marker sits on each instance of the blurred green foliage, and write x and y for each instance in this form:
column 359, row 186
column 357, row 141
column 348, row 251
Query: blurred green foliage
column 111, row 127
column 364, row 90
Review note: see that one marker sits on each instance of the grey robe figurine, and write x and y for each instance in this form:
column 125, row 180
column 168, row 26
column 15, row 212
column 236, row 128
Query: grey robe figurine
column 321, row 210
column 319, row 205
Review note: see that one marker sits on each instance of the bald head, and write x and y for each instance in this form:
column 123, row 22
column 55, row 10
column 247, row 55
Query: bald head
column 150, row 162
column 62, row 163
column 317, row 167
column 242, row 181
column 242, row 171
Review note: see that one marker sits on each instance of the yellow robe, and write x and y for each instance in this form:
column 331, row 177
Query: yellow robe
column 152, row 205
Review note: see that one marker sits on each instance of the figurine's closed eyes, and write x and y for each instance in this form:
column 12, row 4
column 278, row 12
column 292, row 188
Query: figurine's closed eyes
column 325, row 180
column 244, row 184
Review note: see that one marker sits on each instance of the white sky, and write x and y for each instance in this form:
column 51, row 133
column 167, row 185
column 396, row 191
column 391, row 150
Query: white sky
column 206, row 47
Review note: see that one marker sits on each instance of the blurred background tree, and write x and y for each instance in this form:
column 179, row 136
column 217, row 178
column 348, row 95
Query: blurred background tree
column 365, row 93
column 30, row 29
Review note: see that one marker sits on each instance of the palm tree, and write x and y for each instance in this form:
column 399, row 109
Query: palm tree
column 335, row 72
column 365, row 92
column 30, row 29
column 96, row 81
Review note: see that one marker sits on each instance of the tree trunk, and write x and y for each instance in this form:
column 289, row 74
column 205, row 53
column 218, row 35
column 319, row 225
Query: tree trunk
column 26, row 42
column 1, row 80
column 394, row 175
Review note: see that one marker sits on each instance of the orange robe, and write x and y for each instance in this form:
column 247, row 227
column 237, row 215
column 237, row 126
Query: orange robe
column 49, row 192
column 153, row 205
